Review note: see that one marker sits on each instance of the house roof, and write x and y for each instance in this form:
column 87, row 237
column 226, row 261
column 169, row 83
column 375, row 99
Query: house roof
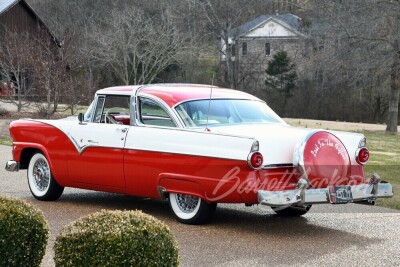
column 6, row 5
column 289, row 19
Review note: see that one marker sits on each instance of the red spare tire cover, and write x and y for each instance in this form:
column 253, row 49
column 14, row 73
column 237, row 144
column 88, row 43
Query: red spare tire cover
column 324, row 159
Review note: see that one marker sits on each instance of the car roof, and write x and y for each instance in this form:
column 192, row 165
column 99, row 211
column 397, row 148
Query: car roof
column 173, row 94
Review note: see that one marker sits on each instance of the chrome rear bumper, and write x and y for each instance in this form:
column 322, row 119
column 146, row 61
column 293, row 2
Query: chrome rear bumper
column 362, row 194
column 12, row 166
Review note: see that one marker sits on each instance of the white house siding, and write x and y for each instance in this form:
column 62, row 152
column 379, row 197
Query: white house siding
column 270, row 29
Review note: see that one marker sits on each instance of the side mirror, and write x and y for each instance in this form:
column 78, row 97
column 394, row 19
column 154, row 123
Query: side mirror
column 80, row 118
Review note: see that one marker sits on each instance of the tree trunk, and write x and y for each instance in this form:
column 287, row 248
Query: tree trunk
column 393, row 115
column 229, row 82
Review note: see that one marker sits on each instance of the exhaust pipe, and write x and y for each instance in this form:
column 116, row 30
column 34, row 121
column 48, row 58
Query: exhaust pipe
column 370, row 202
column 305, row 208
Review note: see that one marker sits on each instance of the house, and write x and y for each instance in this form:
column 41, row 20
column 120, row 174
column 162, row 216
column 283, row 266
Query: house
column 253, row 44
column 19, row 16
column 19, row 23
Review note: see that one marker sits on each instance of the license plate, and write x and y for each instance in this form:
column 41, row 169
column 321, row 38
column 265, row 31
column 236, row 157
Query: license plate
column 340, row 194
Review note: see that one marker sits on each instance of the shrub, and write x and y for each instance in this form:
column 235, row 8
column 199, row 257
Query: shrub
column 23, row 233
column 4, row 112
column 116, row 238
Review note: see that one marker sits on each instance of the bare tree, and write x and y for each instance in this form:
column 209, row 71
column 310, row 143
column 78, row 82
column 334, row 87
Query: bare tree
column 136, row 47
column 368, row 35
column 223, row 18
column 16, row 56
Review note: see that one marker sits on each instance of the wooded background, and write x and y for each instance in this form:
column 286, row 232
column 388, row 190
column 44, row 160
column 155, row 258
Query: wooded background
column 352, row 75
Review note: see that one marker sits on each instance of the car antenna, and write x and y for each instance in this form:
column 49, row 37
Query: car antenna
column 209, row 102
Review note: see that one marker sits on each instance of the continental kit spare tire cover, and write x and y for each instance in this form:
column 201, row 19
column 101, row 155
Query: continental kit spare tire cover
column 323, row 159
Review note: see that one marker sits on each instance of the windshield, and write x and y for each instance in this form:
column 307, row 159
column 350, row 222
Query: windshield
column 225, row 111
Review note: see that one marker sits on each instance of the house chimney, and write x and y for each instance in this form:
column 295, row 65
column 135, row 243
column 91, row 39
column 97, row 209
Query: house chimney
column 277, row 12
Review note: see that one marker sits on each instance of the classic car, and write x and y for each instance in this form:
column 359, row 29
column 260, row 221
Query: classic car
column 195, row 145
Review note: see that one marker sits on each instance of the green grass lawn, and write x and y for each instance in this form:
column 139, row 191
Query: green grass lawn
column 385, row 160
column 5, row 141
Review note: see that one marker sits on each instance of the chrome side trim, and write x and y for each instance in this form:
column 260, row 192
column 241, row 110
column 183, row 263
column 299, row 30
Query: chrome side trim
column 363, row 194
column 12, row 166
column 277, row 166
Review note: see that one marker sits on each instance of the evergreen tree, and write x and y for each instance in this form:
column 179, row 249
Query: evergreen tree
column 281, row 75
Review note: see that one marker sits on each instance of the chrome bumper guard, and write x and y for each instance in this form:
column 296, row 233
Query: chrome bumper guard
column 12, row 166
column 361, row 194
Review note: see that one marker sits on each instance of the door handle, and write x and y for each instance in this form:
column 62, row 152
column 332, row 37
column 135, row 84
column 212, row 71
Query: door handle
column 92, row 142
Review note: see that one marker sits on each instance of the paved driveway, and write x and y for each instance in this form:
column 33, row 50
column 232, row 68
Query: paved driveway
column 349, row 235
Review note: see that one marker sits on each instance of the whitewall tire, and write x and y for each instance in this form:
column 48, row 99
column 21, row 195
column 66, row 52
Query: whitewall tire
column 41, row 182
column 191, row 209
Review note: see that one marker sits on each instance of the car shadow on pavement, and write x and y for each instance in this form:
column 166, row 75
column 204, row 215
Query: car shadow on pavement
column 236, row 232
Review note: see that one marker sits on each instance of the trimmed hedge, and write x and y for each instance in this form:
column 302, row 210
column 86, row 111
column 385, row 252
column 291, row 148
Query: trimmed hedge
column 23, row 233
column 116, row 238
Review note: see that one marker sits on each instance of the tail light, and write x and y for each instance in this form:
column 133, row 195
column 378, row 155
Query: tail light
column 362, row 155
column 255, row 160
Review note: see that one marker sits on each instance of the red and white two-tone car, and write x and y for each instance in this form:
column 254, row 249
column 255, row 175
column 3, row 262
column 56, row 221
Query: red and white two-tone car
column 196, row 145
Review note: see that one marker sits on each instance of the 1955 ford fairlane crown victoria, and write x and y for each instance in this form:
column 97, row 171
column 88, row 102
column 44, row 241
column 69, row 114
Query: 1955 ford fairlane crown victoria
column 196, row 146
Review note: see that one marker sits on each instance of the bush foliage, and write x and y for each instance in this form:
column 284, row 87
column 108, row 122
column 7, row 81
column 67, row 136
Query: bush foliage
column 23, row 233
column 116, row 238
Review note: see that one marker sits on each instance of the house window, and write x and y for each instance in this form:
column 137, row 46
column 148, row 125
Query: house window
column 267, row 49
column 244, row 49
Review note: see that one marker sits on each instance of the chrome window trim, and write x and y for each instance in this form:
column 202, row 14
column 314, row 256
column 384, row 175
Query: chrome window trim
column 163, row 105
column 95, row 108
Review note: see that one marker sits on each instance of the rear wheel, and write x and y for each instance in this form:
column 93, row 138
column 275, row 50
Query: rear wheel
column 191, row 209
column 41, row 182
column 292, row 211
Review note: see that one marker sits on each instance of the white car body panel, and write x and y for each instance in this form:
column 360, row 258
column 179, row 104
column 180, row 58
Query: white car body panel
column 186, row 142
column 278, row 141
column 157, row 139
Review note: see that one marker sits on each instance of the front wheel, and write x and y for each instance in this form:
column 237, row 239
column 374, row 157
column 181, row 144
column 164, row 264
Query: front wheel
column 41, row 182
column 292, row 211
column 190, row 209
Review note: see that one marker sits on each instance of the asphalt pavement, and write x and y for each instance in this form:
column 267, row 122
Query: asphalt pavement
column 342, row 235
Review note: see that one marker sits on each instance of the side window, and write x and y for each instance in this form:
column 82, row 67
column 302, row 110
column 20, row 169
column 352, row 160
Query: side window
column 152, row 113
column 112, row 109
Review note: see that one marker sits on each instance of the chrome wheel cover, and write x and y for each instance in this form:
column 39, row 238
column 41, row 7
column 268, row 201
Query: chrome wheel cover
column 41, row 175
column 187, row 203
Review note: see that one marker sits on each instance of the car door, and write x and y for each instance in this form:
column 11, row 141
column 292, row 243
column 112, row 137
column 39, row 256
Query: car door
column 142, row 167
column 100, row 144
